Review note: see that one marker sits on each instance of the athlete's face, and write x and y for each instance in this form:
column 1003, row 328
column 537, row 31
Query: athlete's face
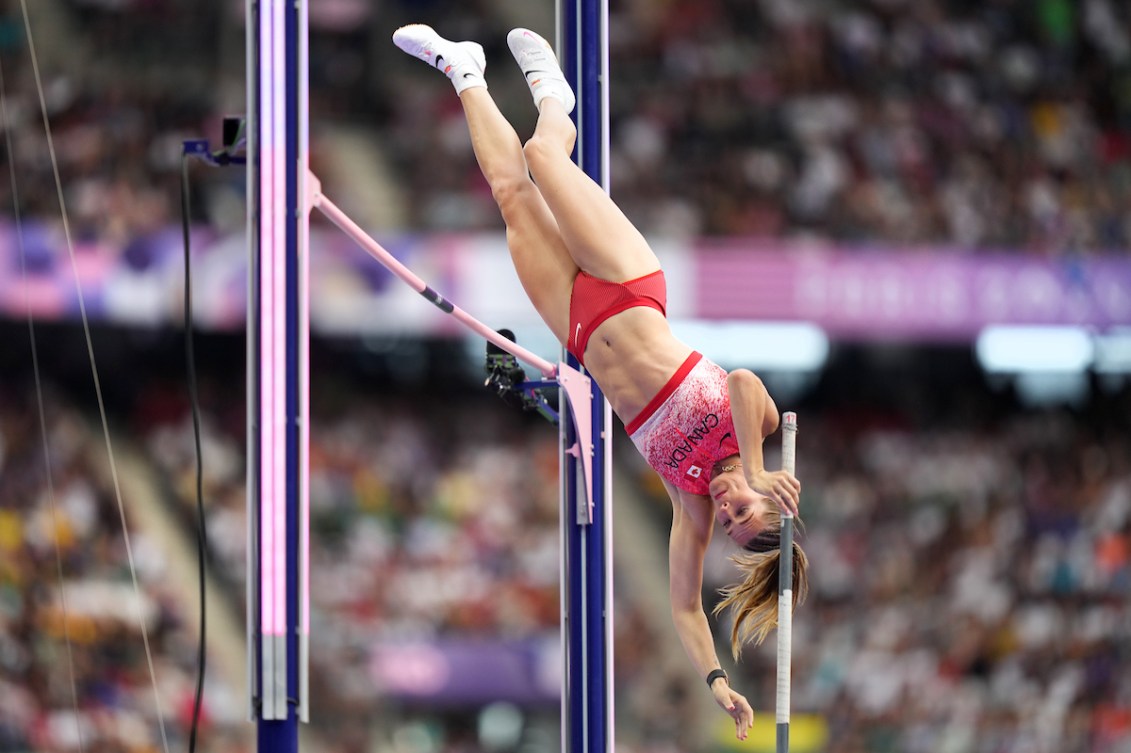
column 738, row 508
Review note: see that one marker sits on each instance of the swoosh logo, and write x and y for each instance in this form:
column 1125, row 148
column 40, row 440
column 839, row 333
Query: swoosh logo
column 724, row 438
column 577, row 336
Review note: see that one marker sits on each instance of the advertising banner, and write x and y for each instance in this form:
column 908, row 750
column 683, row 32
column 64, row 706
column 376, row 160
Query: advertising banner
column 852, row 293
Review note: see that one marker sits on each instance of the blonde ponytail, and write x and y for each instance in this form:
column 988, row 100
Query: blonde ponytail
column 755, row 598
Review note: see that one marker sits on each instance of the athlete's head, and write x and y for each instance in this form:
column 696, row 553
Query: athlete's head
column 738, row 508
column 754, row 523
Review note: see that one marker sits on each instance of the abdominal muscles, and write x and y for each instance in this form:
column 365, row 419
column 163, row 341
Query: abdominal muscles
column 632, row 356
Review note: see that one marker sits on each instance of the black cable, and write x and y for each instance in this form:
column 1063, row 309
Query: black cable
column 194, row 399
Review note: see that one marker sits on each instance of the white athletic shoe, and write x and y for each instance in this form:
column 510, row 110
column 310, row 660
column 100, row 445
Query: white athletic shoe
column 539, row 65
column 462, row 62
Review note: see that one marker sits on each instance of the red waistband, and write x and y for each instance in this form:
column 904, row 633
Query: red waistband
column 665, row 392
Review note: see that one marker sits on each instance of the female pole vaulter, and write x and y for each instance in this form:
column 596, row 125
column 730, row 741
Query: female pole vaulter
column 598, row 286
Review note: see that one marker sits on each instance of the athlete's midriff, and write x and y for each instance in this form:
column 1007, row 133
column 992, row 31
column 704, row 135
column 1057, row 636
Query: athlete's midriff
column 687, row 427
column 595, row 300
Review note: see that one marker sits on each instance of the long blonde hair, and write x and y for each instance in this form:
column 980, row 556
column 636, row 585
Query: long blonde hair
column 755, row 597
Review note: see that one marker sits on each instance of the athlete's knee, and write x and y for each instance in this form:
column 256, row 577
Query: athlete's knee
column 544, row 146
column 512, row 192
column 535, row 150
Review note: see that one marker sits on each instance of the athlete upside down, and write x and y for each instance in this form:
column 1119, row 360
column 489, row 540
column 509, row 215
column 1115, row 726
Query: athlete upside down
column 599, row 287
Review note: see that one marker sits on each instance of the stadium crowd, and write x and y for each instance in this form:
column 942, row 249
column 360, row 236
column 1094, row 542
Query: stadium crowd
column 970, row 582
column 950, row 123
column 970, row 575
column 432, row 517
column 957, row 124
column 76, row 672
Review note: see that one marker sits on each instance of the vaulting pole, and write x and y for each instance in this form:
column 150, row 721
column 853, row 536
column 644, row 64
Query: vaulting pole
column 785, row 591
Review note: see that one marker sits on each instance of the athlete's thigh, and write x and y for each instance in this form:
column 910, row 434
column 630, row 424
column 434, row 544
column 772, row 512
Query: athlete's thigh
column 597, row 233
column 543, row 263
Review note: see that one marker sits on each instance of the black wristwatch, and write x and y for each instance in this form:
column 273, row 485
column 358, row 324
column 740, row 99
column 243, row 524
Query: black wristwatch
column 716, row 674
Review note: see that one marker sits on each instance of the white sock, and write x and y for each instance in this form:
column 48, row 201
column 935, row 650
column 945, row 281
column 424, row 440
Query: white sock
column 540, row 67
column 462, row 62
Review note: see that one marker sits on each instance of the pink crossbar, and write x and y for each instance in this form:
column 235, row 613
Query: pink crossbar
column 377, row 251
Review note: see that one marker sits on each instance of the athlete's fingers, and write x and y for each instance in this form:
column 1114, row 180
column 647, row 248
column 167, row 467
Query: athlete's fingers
column 786, row 498
column 792, row 490
column 744, row 717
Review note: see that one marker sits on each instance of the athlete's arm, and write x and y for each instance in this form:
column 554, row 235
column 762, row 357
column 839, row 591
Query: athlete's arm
column 692, row 522
column 756, row 417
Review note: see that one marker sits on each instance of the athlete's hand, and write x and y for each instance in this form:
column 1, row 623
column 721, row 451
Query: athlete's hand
column 736, row 706
column 780, row 486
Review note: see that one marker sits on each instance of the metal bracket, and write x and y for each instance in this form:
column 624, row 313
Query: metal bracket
column 579, row 395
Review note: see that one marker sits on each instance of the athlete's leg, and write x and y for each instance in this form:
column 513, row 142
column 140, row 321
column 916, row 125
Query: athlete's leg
column 543, row 264
column 541, row 259
column 600, row 238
